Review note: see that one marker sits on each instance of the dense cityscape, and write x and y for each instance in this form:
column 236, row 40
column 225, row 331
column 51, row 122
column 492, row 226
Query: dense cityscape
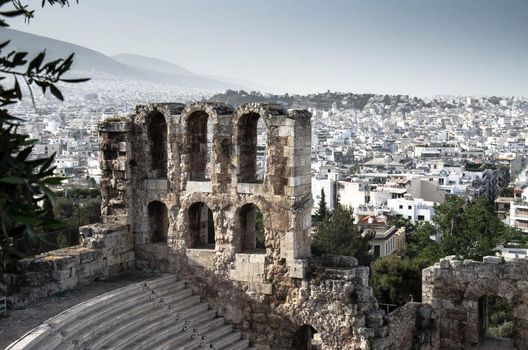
column 381, row 155
column 230, row 203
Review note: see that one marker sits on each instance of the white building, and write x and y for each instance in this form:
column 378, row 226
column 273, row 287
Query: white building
column 414, row 209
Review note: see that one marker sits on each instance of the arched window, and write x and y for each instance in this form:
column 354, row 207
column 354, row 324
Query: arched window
column 201, row 226
column 158, row 222
column 199, row 137
column 306, row 338
column 252, row 237
column 252, row 140
column 157, row 136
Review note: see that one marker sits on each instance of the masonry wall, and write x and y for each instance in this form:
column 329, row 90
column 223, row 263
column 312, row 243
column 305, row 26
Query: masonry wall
column 454, row 287
column 106, row 250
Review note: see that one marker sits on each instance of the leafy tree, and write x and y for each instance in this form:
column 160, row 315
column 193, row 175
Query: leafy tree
column 322, row 210
column 506, row 192
column 24, row 182
column 469, row 230
column 419, row 244
column 396, row 280
column 339, row 235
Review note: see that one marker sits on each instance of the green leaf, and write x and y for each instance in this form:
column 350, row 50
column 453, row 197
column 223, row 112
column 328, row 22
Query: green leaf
column 56, row 92
column 79, row 80
column 54, row 180
column 13, row 180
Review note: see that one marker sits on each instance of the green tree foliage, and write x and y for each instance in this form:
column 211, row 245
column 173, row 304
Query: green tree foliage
column 339, row 235
column 75, row 213
column 396, row 280
column 24, row 192
column 500, row 317
column 468, row 230
column 420, row 245
column 506, row 192
column 322, row 210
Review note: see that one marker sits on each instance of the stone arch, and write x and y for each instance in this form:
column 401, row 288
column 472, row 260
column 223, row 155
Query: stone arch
column 157, row 138
column 306, row 338
column 251, row 129
column 201, row 226
column 250, row 230
column 198, row 135
column 158, row 222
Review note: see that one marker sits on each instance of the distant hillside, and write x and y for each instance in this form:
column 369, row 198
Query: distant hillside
column 161, row 66
column 87, row 60
column 321, row 100
column 152, row 64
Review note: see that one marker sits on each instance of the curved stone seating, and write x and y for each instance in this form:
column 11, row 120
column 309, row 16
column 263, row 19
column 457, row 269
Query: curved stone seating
column 157, row 314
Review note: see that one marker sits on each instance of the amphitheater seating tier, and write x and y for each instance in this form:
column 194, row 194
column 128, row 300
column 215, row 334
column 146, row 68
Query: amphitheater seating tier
column 157, row 314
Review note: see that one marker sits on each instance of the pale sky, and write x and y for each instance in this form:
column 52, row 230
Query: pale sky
column 416, row 47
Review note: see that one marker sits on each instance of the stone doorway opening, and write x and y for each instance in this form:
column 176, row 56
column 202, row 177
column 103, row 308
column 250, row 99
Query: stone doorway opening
column 252, row 142
column 157, row 136
column 199, row 138
column 496, row 323
column 201, row 226
column 158, row 221
column 251, row 229
column 306, row 338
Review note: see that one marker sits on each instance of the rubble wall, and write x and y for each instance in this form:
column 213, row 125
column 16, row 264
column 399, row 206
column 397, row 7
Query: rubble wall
column 455, row 289
column 106, row 250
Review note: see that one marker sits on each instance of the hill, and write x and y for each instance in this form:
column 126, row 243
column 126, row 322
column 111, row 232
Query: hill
column 125, row 67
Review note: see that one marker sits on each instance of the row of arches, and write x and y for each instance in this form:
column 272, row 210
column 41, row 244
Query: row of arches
column 249, row 227
column 251, row 139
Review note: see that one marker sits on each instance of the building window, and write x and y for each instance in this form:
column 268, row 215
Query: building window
column 377, row 250
column 198, row 146
column 409, row 207
column 157, row 137
column 201, row 226
column 401, row 206
column 252, row 141
column 251, row 230
column 158, row 222
column 421, row 218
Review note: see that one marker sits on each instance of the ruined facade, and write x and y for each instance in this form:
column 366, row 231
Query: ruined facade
column 182, row 192
column 184, row 180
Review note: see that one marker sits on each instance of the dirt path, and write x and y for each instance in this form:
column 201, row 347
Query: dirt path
column 18, row 322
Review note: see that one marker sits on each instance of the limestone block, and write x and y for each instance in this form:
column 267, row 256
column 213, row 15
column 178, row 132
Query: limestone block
column 201, row 257
column 199, row 186
column 155, row 184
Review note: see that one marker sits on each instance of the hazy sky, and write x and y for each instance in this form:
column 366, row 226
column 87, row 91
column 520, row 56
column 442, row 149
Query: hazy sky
column 417, row 47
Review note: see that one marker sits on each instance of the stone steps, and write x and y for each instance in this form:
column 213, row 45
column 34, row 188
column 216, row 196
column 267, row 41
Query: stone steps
column 156, row 314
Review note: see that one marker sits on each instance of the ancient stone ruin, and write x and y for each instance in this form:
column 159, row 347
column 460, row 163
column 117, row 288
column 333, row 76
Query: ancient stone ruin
column 183, row 188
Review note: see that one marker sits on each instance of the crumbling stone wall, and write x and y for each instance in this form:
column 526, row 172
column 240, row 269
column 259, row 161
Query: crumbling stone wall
column 105, row 250
column 454, row 288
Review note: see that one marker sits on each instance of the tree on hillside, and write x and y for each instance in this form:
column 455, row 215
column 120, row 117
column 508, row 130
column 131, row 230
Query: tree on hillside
column 339, row 235
column 24, row 192
column 322, row 210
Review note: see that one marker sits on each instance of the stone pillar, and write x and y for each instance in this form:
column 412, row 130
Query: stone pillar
column 114, row 156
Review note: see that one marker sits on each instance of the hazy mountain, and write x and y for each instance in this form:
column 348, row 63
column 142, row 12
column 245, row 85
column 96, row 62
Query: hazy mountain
column 161, row 66
column 152, row 64
column 94, row 62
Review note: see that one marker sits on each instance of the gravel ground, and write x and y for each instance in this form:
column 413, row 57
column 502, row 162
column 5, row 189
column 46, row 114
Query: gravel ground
column 18, row 322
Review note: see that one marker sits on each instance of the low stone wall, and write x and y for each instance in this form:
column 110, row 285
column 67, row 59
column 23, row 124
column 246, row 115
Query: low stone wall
column 410, row 327
column 456, row 289
column 106, row 250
